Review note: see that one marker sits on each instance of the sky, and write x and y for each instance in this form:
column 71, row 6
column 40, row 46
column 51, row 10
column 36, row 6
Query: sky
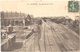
column 38, row 9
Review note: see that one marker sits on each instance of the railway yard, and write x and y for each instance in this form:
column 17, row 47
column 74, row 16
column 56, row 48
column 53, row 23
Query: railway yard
column 54, row 38
column 40, row 26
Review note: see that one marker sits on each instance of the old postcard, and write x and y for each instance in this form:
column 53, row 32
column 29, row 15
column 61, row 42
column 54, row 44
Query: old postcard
column 40, row 25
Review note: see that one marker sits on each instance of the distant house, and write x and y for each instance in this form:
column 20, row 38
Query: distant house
column 77, row 20
column 28, row 19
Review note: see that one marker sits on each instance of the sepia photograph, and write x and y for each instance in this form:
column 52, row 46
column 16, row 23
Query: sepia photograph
column 40, row 26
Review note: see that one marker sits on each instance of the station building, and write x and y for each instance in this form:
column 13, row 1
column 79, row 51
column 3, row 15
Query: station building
column 15, row 19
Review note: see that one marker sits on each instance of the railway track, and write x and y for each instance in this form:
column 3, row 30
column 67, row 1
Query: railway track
column 55, row 38
column 48, row 37
column 65, row 39
column 73, row 38
column 46, row 40
column 32, row 44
